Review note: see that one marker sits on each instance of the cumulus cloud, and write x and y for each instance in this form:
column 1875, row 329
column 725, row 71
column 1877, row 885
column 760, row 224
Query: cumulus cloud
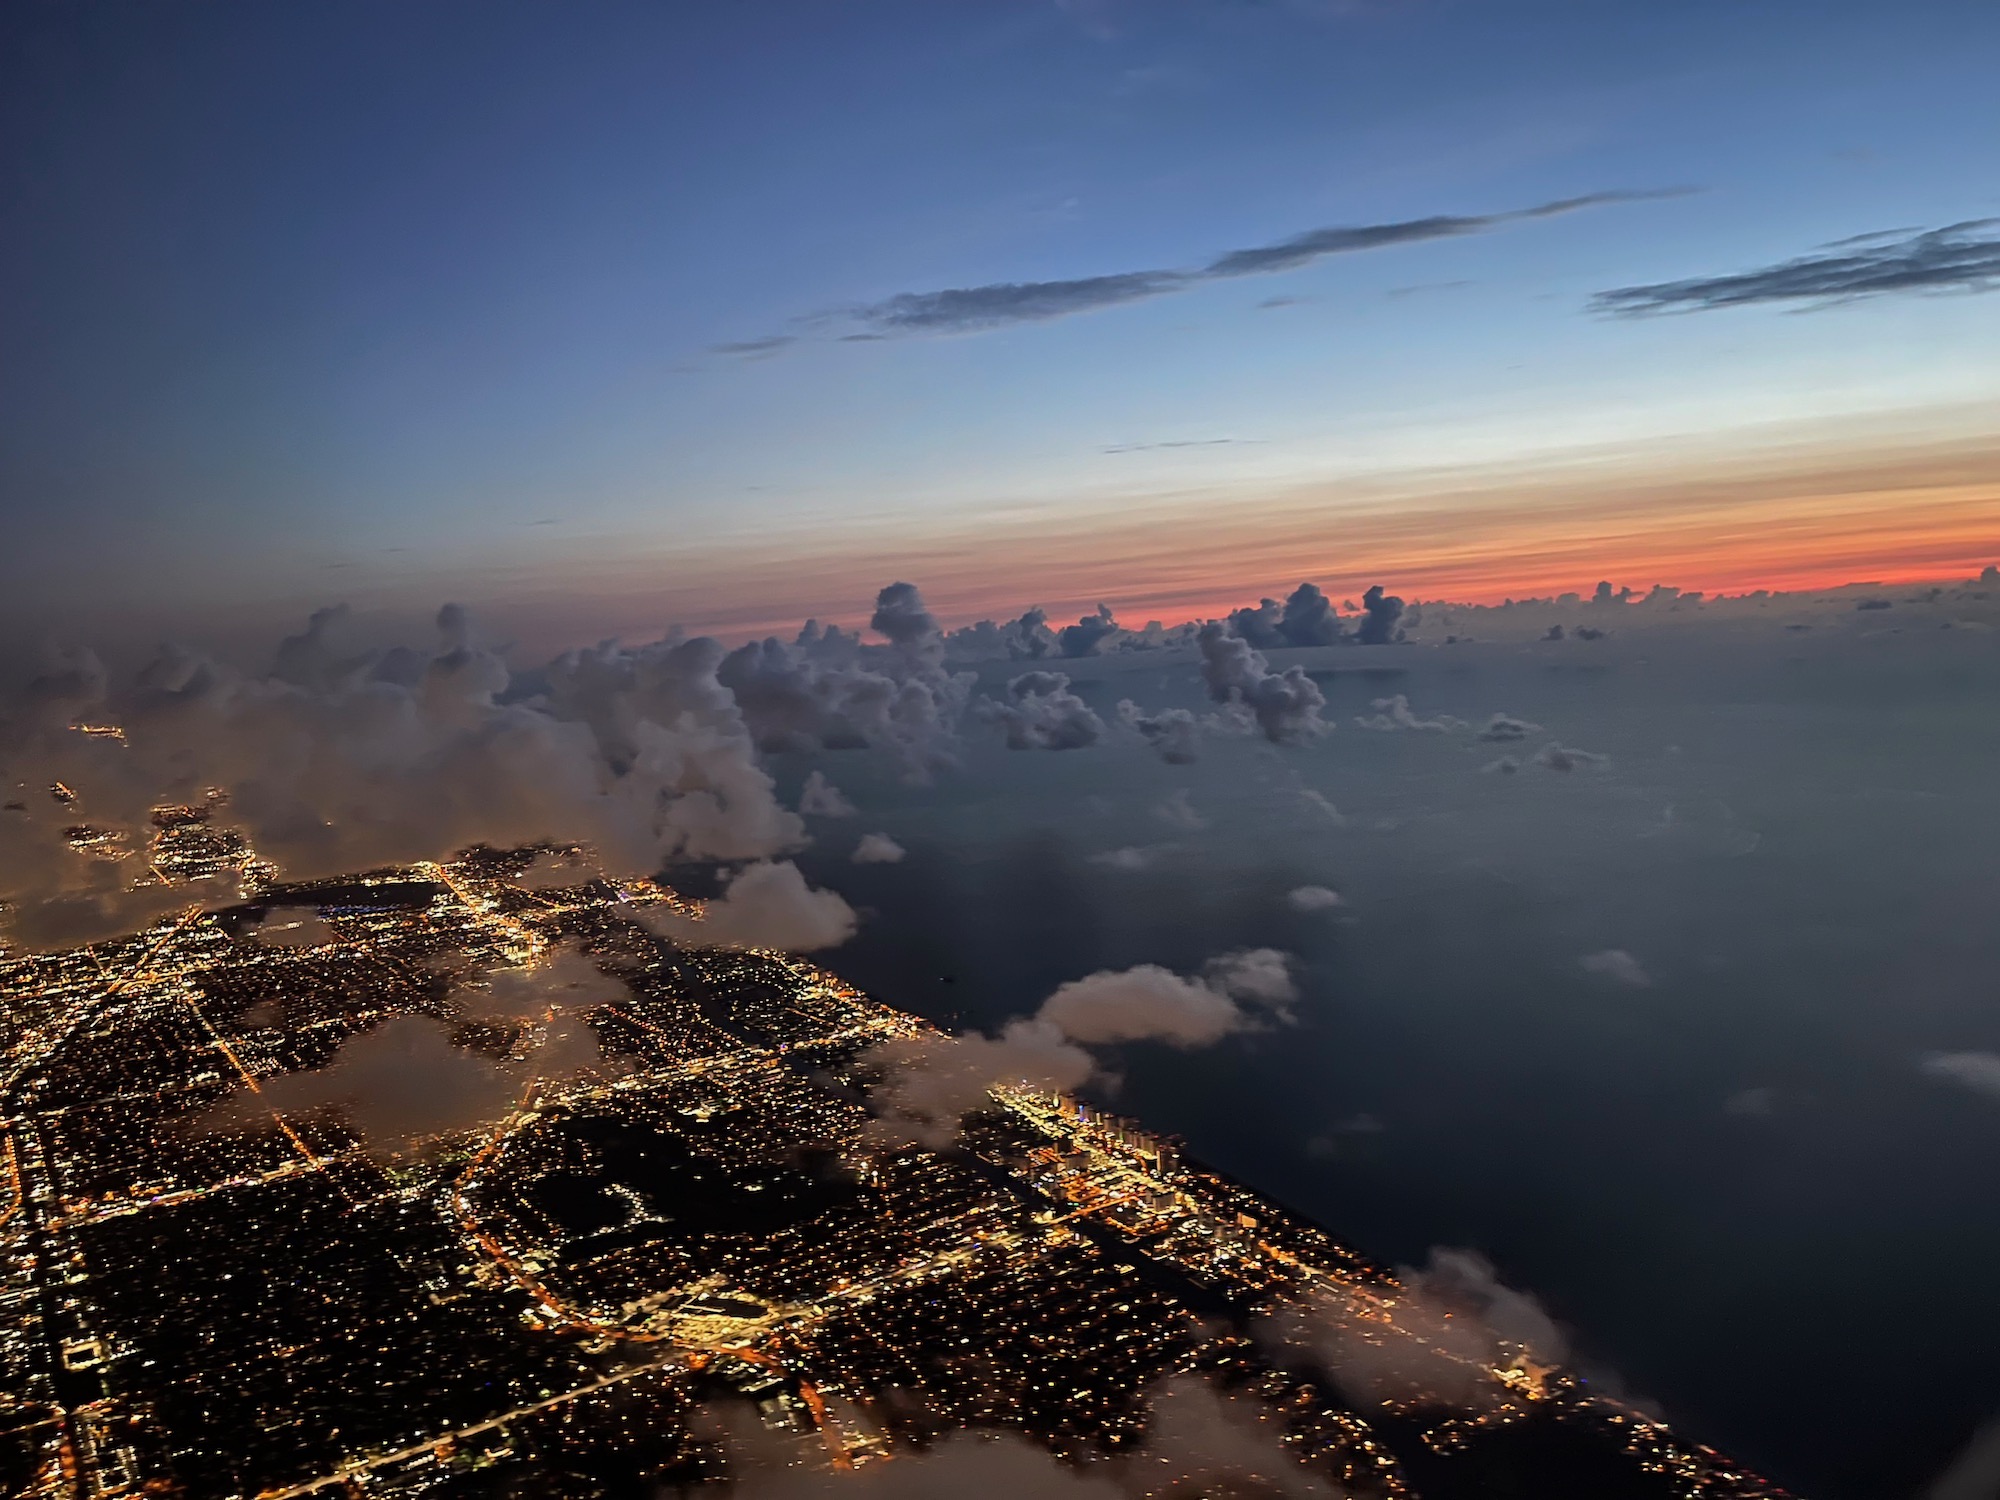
column 1558, row 757
column 1380, row 612
column 764, row 905
column 1395, row 713
column 1452, row 1324
column 1963, row 257
column 1284, row 705
column 820, row 798
column 877, row 849
column 1088, row 634
column 1131, row 858
column 1258, row 624
column 1002, row 304
column 1618, row 966
column 1151, row 1003
column 1309, row 618
column 1041, row 713
column 1025, row 639
column 1504, row 728
column 1171, row 732
column 1313, row 898
column 1978, row 1071
column 821, row 694
column 929, row 1084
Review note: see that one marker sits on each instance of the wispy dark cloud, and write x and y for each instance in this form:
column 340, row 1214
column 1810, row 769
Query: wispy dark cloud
column 1317, row 244
column 967, row 309
column 976, row 308
column 748, row 347
column 1957, row 258
column 1423, row 287
column 1170, row 443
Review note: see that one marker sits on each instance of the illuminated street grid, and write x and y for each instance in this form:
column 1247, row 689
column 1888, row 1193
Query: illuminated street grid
column 547, row 1306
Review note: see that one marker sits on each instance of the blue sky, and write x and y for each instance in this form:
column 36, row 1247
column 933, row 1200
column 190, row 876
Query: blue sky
column 387, row 300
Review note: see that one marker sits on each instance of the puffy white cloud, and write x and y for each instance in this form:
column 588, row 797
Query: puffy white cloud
column 899, row 700
column 1395, row 713
column 1504, row 728
column 763, row 905
column 820, row 798
column 1558, row 757
column 1978, row 1071
column 1260, row 975
column 1151, row 1003
column 1284, row 705
column 1313, row 898
column 1171, row 732
column 1618, row 966
column 878, row 849
column 1132, row 858
column 929, row 1084
column 1380, row 612
column 1145, row 1002
column 1041, row 713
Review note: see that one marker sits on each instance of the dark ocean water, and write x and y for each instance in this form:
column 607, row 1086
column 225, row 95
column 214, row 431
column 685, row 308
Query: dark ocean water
column 1736, row 1185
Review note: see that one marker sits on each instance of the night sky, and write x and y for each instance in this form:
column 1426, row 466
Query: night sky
column 593, row 310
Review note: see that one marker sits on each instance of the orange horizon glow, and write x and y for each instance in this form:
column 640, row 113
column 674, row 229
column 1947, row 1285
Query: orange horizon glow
column 1787, row 511
column 1787, row 521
